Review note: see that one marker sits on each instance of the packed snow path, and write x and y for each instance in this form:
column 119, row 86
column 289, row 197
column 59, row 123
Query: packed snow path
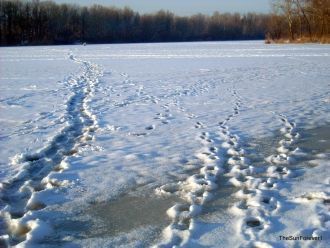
column 39, row 170
column 183, row 144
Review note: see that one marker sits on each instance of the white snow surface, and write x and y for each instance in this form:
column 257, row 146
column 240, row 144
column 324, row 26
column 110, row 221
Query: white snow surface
column 203, row 138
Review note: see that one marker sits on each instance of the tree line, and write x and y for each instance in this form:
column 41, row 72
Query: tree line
column 45, row 22
column 305, row 20
column 34, row 22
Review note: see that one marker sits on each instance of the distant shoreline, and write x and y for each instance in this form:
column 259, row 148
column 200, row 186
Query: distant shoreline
column 48, row 23
column 127, row 43
column 302, row 40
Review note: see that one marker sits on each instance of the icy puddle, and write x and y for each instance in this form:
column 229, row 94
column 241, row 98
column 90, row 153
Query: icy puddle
column 130, row 212
column 110, row 222
column 316, row 140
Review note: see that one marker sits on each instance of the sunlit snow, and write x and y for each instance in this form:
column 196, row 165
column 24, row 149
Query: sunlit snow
column 212, row 144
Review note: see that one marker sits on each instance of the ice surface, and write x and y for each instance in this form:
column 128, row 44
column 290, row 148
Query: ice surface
column 217, row 133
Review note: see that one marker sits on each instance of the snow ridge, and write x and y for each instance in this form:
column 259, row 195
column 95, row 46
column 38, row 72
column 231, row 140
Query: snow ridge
column 23, row 194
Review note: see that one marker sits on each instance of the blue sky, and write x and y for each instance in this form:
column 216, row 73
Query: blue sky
column 184, row 7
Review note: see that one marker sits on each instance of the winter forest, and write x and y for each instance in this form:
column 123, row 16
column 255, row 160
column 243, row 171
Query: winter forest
column 45, row 22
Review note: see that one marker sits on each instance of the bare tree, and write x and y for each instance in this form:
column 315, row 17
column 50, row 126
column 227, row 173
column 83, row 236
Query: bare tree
column 301, row 12
column 45, row 22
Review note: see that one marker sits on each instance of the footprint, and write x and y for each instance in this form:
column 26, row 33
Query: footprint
column 171, row 188
column 151, row 127
column 213, row 149
column 253, row 222
column 139, row 134
column 199, row 125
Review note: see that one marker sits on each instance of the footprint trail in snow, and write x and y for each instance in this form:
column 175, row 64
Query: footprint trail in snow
column 198, row 189
column 23, row 194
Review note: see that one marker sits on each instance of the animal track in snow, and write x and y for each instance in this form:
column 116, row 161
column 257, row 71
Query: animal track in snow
column 259, row 194
column 199, row 125
column 165, row 118
column 151, row 127
column 197, row 189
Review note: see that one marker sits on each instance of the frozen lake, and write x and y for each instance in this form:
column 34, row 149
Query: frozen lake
column 210, row 144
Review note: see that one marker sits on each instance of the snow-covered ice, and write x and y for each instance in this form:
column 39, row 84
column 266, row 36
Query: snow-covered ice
column 215, row 144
